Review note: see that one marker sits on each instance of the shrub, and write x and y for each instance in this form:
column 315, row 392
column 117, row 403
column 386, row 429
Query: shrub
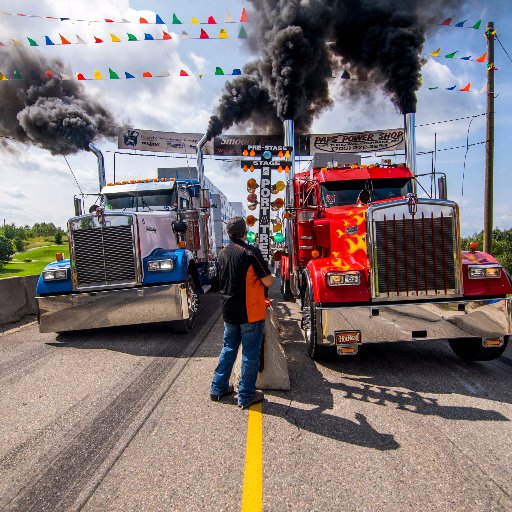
column 6, row 251
column 58, row 237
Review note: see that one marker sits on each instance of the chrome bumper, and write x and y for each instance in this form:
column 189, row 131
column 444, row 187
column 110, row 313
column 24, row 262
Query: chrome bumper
column 406, row 322
column 59, row 313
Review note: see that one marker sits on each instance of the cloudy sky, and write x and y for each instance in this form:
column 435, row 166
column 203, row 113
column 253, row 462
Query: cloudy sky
column 37, row 186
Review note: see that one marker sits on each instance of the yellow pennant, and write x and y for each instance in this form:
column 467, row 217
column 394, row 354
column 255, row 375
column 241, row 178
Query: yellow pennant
column 195, row 21
column 114, row 38
column 223, row 34
column 436, row 53
column 2, row 76
column 97, row 75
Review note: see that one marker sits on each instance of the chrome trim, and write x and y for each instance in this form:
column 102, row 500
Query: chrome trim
column 60, row 313
column 95, row 224
column 101, row 165
column 410, row 144
column 489, row 319
column 306, row 237
column 307, row 247
column 402, row 206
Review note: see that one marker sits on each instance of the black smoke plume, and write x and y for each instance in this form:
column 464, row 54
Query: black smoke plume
column 302, row 44
column 40, row 109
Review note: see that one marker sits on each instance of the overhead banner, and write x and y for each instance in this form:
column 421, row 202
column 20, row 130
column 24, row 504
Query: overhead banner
column 161, row 142
column 358, row 142
column 232, row 145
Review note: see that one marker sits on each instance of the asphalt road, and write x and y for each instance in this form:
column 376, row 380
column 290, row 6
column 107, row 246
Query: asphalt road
column 120, row 419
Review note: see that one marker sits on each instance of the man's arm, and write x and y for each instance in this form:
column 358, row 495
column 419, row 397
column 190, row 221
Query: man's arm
column 268, row 281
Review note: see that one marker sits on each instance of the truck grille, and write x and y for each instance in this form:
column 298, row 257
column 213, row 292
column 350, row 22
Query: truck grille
column 104, row 256
column 415, row 256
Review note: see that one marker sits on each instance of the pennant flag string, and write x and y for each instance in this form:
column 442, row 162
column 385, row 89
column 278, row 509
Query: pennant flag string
column 117, row 38
column 244, row 18
column 452, row 55
column 448, row 22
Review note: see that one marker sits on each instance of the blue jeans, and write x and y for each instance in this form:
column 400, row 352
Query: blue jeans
column 250, row 336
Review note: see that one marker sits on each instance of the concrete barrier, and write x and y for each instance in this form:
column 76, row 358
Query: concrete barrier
column 275, row 368
column 17, row 298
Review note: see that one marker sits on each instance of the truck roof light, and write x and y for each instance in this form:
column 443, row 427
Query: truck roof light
column 364, row 166
column 117, row 183
column 372, row 166
column 163, row 179
column 155, row 179
column 124, row 182
column 354, row 166
column 147, row 180
column 109, row 184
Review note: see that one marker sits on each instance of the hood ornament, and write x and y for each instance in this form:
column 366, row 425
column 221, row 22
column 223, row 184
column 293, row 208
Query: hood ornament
column 100, row 214
column 412, row 203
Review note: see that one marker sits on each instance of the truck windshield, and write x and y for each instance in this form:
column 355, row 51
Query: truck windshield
column 141, row 200
column 341, row 193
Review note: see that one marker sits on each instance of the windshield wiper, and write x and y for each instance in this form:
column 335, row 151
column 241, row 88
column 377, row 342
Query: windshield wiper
column 144, row 204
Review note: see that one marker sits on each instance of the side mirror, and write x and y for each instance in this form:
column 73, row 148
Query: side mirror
column 442, row 187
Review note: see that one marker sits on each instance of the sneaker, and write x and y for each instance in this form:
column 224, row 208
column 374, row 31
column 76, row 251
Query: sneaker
column 217, row 398
column 257, row 398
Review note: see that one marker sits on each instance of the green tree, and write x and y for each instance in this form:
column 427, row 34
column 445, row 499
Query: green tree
column 6, row 250
column 501, row 246
column 58, row 237
column 19, row 244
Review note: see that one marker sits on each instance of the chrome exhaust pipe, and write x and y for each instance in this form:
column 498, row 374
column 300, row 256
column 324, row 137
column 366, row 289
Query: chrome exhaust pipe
column 101, row 164
column 410, row 144
column 289, row 140
column 204, row 202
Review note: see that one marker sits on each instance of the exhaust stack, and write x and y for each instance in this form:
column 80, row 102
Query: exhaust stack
column 289, row 140
column 204, row 202
column 101, row 165
column 410, row 144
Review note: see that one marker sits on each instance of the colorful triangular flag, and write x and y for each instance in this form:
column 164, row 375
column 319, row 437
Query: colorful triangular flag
column 124, row 20
column 195, row 21
column 433, row 88
column 112, row 74
column 223, row 34
column 236, row 72
column 159, row 21
column 175, row 20
column 183, row 73
column 64, row 40
column 64, row 77
column 483, row 58
column 114, row 38
column 143, row 20
column 164, row 74
column 345, row 75
column 98, row 40
column 477, row 25
column 166, row 35
column 2, row 76
column 460, row 24
column 80, row 76
column 148, row 37
column 204, row 35
column 147, row 74
column 436, row 53
column 2, row 44
column 484, row 89
column 97, row 75
column 211, row 20
column 219, row 71
column 16, row 75
column 48, row 41
column 128, row 75
column 450, row 55
column 451, row 88
column 228, row 18
column 466, row 88
column 466, row 58
column 243, row 33
column 131, row 37
column 185, row 35
column 16, row 42
column 447, row 22
column 79, row 40
column 31, row 42
column 244, row 18
column 108, row 20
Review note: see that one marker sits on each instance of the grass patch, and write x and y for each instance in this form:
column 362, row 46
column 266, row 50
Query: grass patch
column 40, row 258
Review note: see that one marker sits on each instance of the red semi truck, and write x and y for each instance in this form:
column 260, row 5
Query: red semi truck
column 372, row 262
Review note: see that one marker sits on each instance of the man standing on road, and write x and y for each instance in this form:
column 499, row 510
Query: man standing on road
column 243, row 275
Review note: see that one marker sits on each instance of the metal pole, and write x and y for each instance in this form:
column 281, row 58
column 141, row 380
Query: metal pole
column 489, row 144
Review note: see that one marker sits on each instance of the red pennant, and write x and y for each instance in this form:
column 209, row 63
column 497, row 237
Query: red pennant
column 467, row 88
column 63, row 39
column 244, row 18
column 167, row 36
column 447, row 22
column 211, row 20
column 109, row 21
column 79, row 76
column 98, row 40
column 183, row 73
column 204, row 35
column 49, row 74
column 482, row 58
column 143, row 20
column 147, row 74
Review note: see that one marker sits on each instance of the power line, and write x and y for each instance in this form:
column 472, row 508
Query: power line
column 504, row 49
column 76, row 181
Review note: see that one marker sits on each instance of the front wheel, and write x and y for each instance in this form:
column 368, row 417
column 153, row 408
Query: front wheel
column 185, row 326
column 309, row 326
column 471, row 349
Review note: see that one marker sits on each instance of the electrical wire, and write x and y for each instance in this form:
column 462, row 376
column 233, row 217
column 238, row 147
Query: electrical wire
column 76, row 181
column 504, row 49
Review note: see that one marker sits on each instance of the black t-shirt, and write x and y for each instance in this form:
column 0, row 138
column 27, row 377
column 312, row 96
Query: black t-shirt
column 240, row 267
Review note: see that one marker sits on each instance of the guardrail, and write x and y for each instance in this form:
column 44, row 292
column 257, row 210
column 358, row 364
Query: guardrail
column 17, row 298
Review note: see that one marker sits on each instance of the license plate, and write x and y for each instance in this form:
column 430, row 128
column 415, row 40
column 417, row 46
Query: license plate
column 347, row 337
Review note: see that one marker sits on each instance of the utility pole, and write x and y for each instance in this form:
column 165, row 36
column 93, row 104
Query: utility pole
column 489, row 144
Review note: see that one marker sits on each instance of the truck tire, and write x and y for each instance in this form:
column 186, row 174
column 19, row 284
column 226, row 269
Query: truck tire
column 309, row 325
column 471, row 349
column 185, row 326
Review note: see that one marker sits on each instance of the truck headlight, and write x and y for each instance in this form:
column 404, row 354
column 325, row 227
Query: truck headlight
column 57, row 274
column 352, row 278
column 156, row 265
column 484, row 272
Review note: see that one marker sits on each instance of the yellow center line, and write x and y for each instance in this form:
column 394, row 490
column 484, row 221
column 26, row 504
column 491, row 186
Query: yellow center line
column 252, row 496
